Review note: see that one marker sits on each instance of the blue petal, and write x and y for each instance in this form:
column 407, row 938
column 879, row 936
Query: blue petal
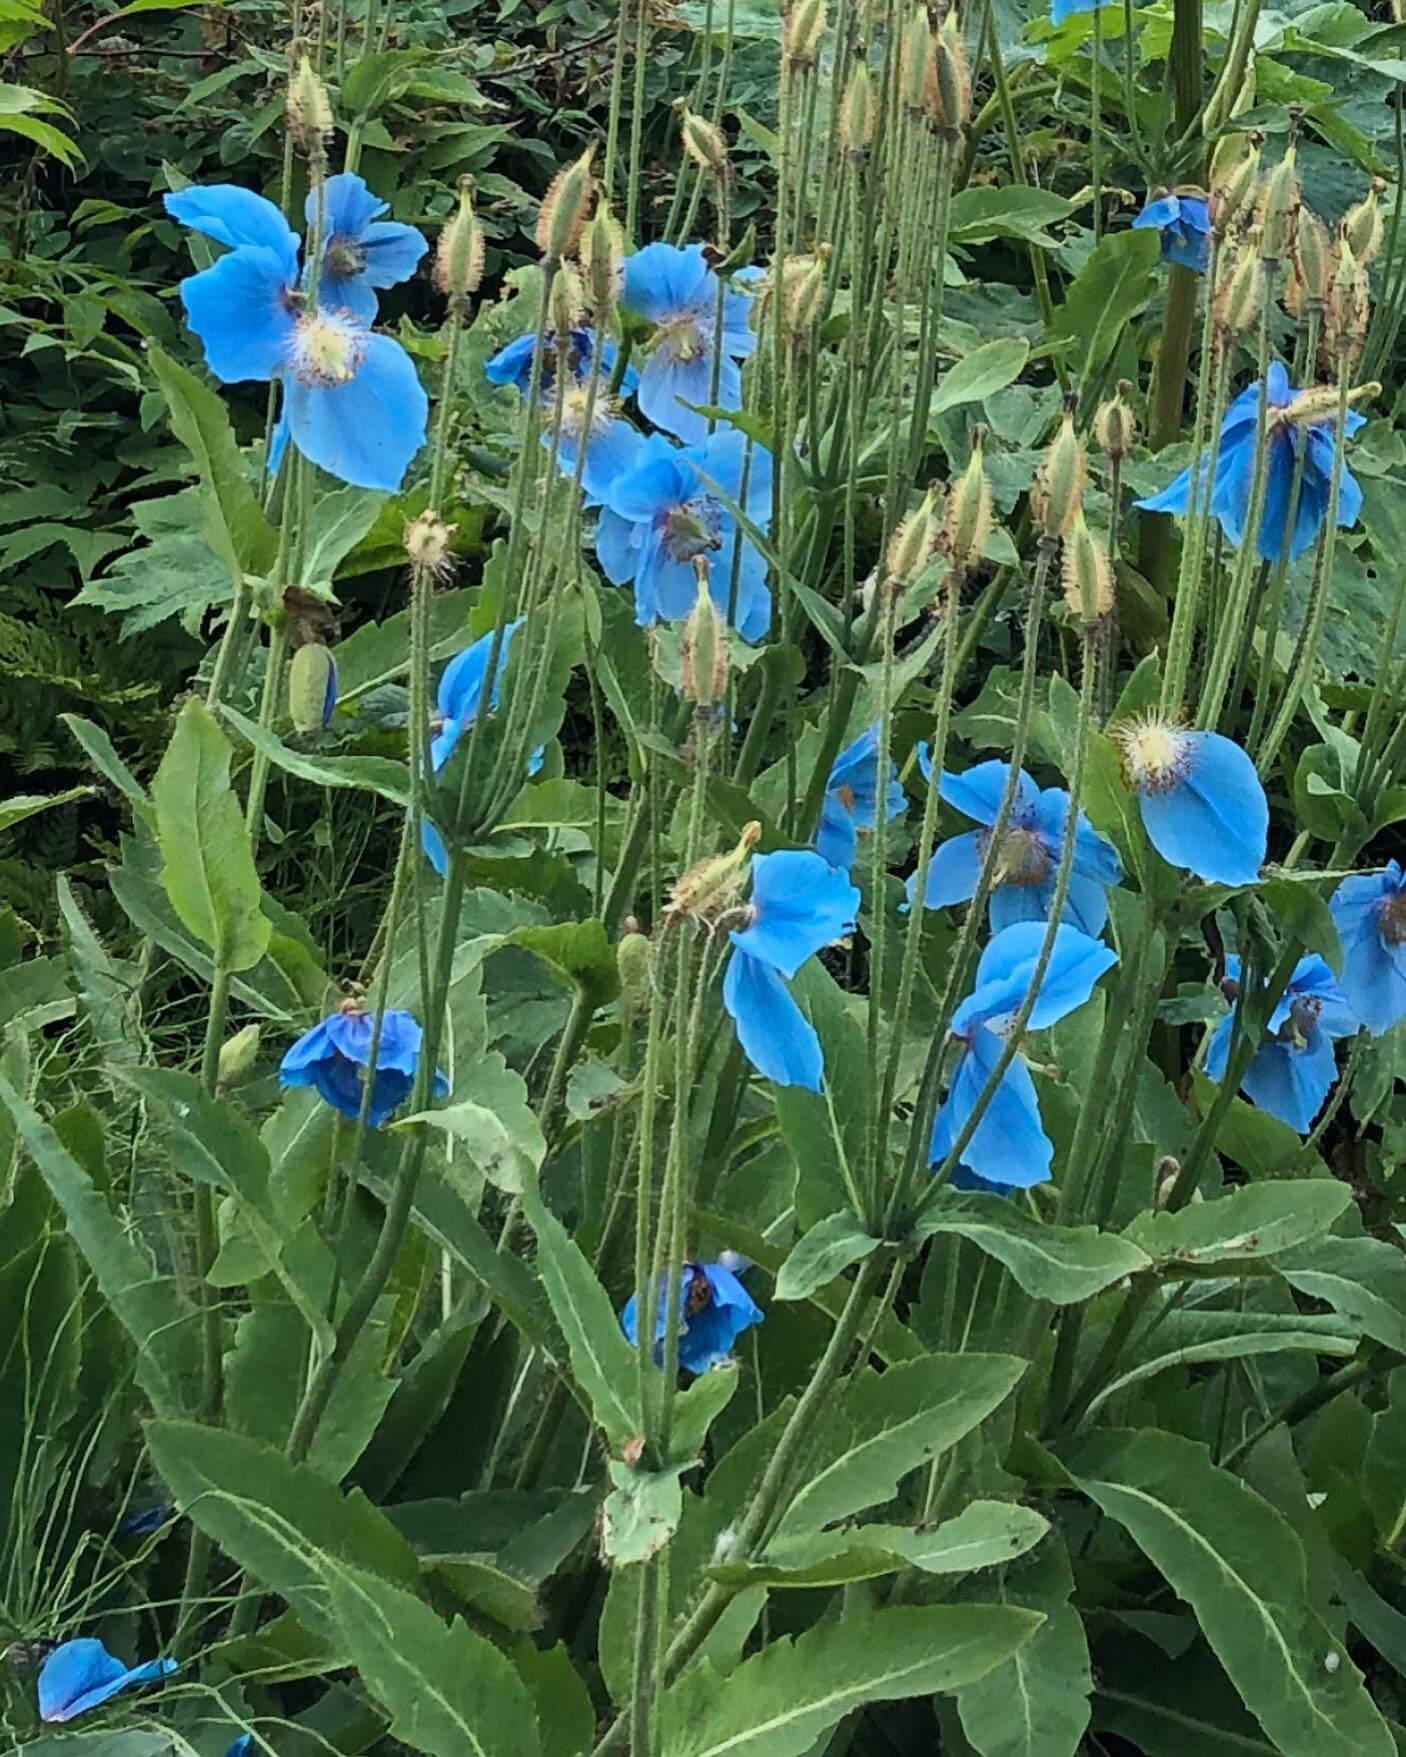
column 239, row 309
column 664, row 588
column 953, row 872
column 513, row 364
column 461, row 685
column 1175, row 497
column 1164, row 211
column 663, row 478
column 710, row 1333
column 752, row 617
column 352, row 294
column 241, row 1746
column 838, row 836
column 235, row 216
column 663, row 281
column 433, row 844
column 312, row 1047
column 619, row 545
column 667, row 385
column 801, row 904
column 1320, row 462
column 348, row 206
column 393, row 252
column 1215, row 822
column 1218, row 1048
column 80, row 1675
column 1374, row 970
column 1292, row 1083
column 1007, row 966
column 1314, row 980
column 775, row 1035
column 612, row 450
column 368, row 430
column 1009, row 1145
column 977, row 792
column 1234, row 482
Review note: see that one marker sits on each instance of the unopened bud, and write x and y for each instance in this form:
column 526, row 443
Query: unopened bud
column 714, row 884
column 603, row 258
column 564, row 208
column 802, row 27
column 312, row 688
column 309, row 110
column 426, row 541
column 912, row 544
column 1235, row 167
column 858, row 113
column 1362, row 225
column 704, row 655
column 703, row 141
column 915, row 62
column 1312, row 256
column 634, row 963
column 238, row 1055
column 1088, row 579
column 1240, row 294
column 567, row 303
column 804, row 295
column 1115, row 424
column 950, row 94
column 1280, row 201
column 1059, row 482
column 967, row 523
column 1165, row 1175
column 458, row 266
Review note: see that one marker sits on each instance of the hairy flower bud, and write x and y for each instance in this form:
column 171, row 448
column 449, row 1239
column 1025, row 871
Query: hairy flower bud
column 312, row 688
column 1348, row 310
column 1235, row 167
column 915, row 62
column 967, row 523
column 309, row 110
column 1278, row 215
column 802, row 27
column 603, row 258
column 426, row 541
column 568, row 300
column 703, row 141
column 1311, row 255
column 237, row 1056
column 858, row 111
column 704, row 655
column 1059, row 483
column 1362, row 228
column 458, row 266
column 950, row 91
column 564, row 208
column 714, row 884
column 1115, row 424
column 912, row 544
column 634, row 963
column 1088, row 579
column 1240, row 294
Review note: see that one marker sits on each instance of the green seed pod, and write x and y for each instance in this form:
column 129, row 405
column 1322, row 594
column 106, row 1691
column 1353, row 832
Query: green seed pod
column 950, row 94
column 1362, row 225
column 1059, row 484
column 634, row 962
column 1240, row 295
column 568, row 301
column 312, row 688
column 915, row 62
column 564, row 208
column 1115, row 424
column 1280, row 200
column 704, row 655
column 967, row 523
column 603, row 258
column 802, row 27
column 703, row 141
column 238, row 1055
column 1312, row 256
column 458, row 265
column 1088, row 579
column 858, row 111
column 912, row 544
column 309, row 110
column 1235, row 167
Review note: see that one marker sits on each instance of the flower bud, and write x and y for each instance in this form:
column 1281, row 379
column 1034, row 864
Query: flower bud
column 858, row 113
column 567, row 303
column 603, row 258
column 1311, row 254
column 426, row 541
column 1115, row 424
column 1348, row 310
column 1165, row 1174
column 1088, row 579
column 564, row 207
column 714, row 884
column 458, row 263
column 309, row 110
column 912, row 544
column 967, row 523
column 1235, row 166
column 950, row 93
column 1240, row 294
column 238, row 1055
column 804, row 286
column 312, row 688
column 1059, row 482
column 1362, row 225
column 1279, row 208
column 703, row 141
column 634, row 962
column 704, row 655
column 915, row 62
column 802, row 27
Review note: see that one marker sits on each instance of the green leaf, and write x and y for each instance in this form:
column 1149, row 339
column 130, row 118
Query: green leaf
column 150, row 1307
column 339, row 521
column 286, row 1523
column 642, row 1511
column 1119, row 279
column 496, row 1126
column 779, row 1703
column 1362, row 1279
column 449, row 1691
column 367, row 774
column 577, row 953
column 1188, row 1709
column 208, row 867
column 1239, row 1565
column 603, row 1360
column 234, row 525
column 1037, row 1703
column 697, row 1408
column 882, row 1425
column 1254, row 1221
column 1062, row 1264
column 24, row 805
column 822, row 1253
column 41, row 1323
column 102, row 753
column 1299, row 908
column 981, row 213
column 980, row 374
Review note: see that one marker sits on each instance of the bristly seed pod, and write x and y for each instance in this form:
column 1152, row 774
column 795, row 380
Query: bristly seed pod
column 1363, row 228
column 603, row 258
column 950, row 94
column 858, row 112
column 802, row 27
column 1235, row 167
column 309, row 110
column 711, row 887
column 1348, row 311
column 458, row 267
column 568, row 300
column 704, row 655
column 1088, row 579
column 312, row 688
column 912, row 545
column 915, row 63
column 1280, row 201
column 1115, row 424
column 564, row 208
column 1311, row 255
column 1240, row 294
column 703, row 141
column 426, row 541
column 1058, row 494
column 967, row 523
column 634, row 962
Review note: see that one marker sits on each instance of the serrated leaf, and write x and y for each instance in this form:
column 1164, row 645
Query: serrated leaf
column 1255, row 1221
column 830, row 1246
column 641, row 1512
column 698, row 1407
column 1239, row 1565
column 1062, row 1264
column 1362, row 1279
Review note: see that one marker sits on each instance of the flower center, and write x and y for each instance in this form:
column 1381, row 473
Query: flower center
column 1303, row 1016
column 1391, row 919
column 700, row 1293
column 1024, row 858
column 576, row 401
column 1156, row 753
column 695, row 528
column 345, row 257
column 328, row 347
column 845, row 794
column 681, row 339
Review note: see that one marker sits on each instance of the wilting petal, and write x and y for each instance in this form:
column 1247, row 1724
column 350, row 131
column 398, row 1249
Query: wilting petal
column 777, row 1038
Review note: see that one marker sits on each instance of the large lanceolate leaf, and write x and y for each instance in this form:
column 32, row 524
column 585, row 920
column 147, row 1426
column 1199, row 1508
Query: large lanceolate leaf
column 1362, row 1279
column 150, row 1307
column 207, row 864
column 883, row 1425
column 450, row 1693
column 1251, row 1223
column 1240, row 1566
column 1062, row 1264
column 287, row 1524
column 781, row 1702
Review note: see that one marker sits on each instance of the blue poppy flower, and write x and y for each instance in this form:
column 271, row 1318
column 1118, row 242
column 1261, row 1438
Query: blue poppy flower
column 361, row 252
column 612, row 445
column 1202, row 803
column 969, row 1183
column 82, row 1674
column 852, row 799
column 1293, row 1070
column 1287, row 437
column 1184, row 222
column 799, row 904
column 714, row 1309
column 1023, row 881
column 1009, row 1145
column 241, row 1746
column 142, row 1524
column 1369, row 912
column 664, row 513
column 332, row 1058
column 458, row 699
column 1062, row 9
column 353, row 403
column 677, row 292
